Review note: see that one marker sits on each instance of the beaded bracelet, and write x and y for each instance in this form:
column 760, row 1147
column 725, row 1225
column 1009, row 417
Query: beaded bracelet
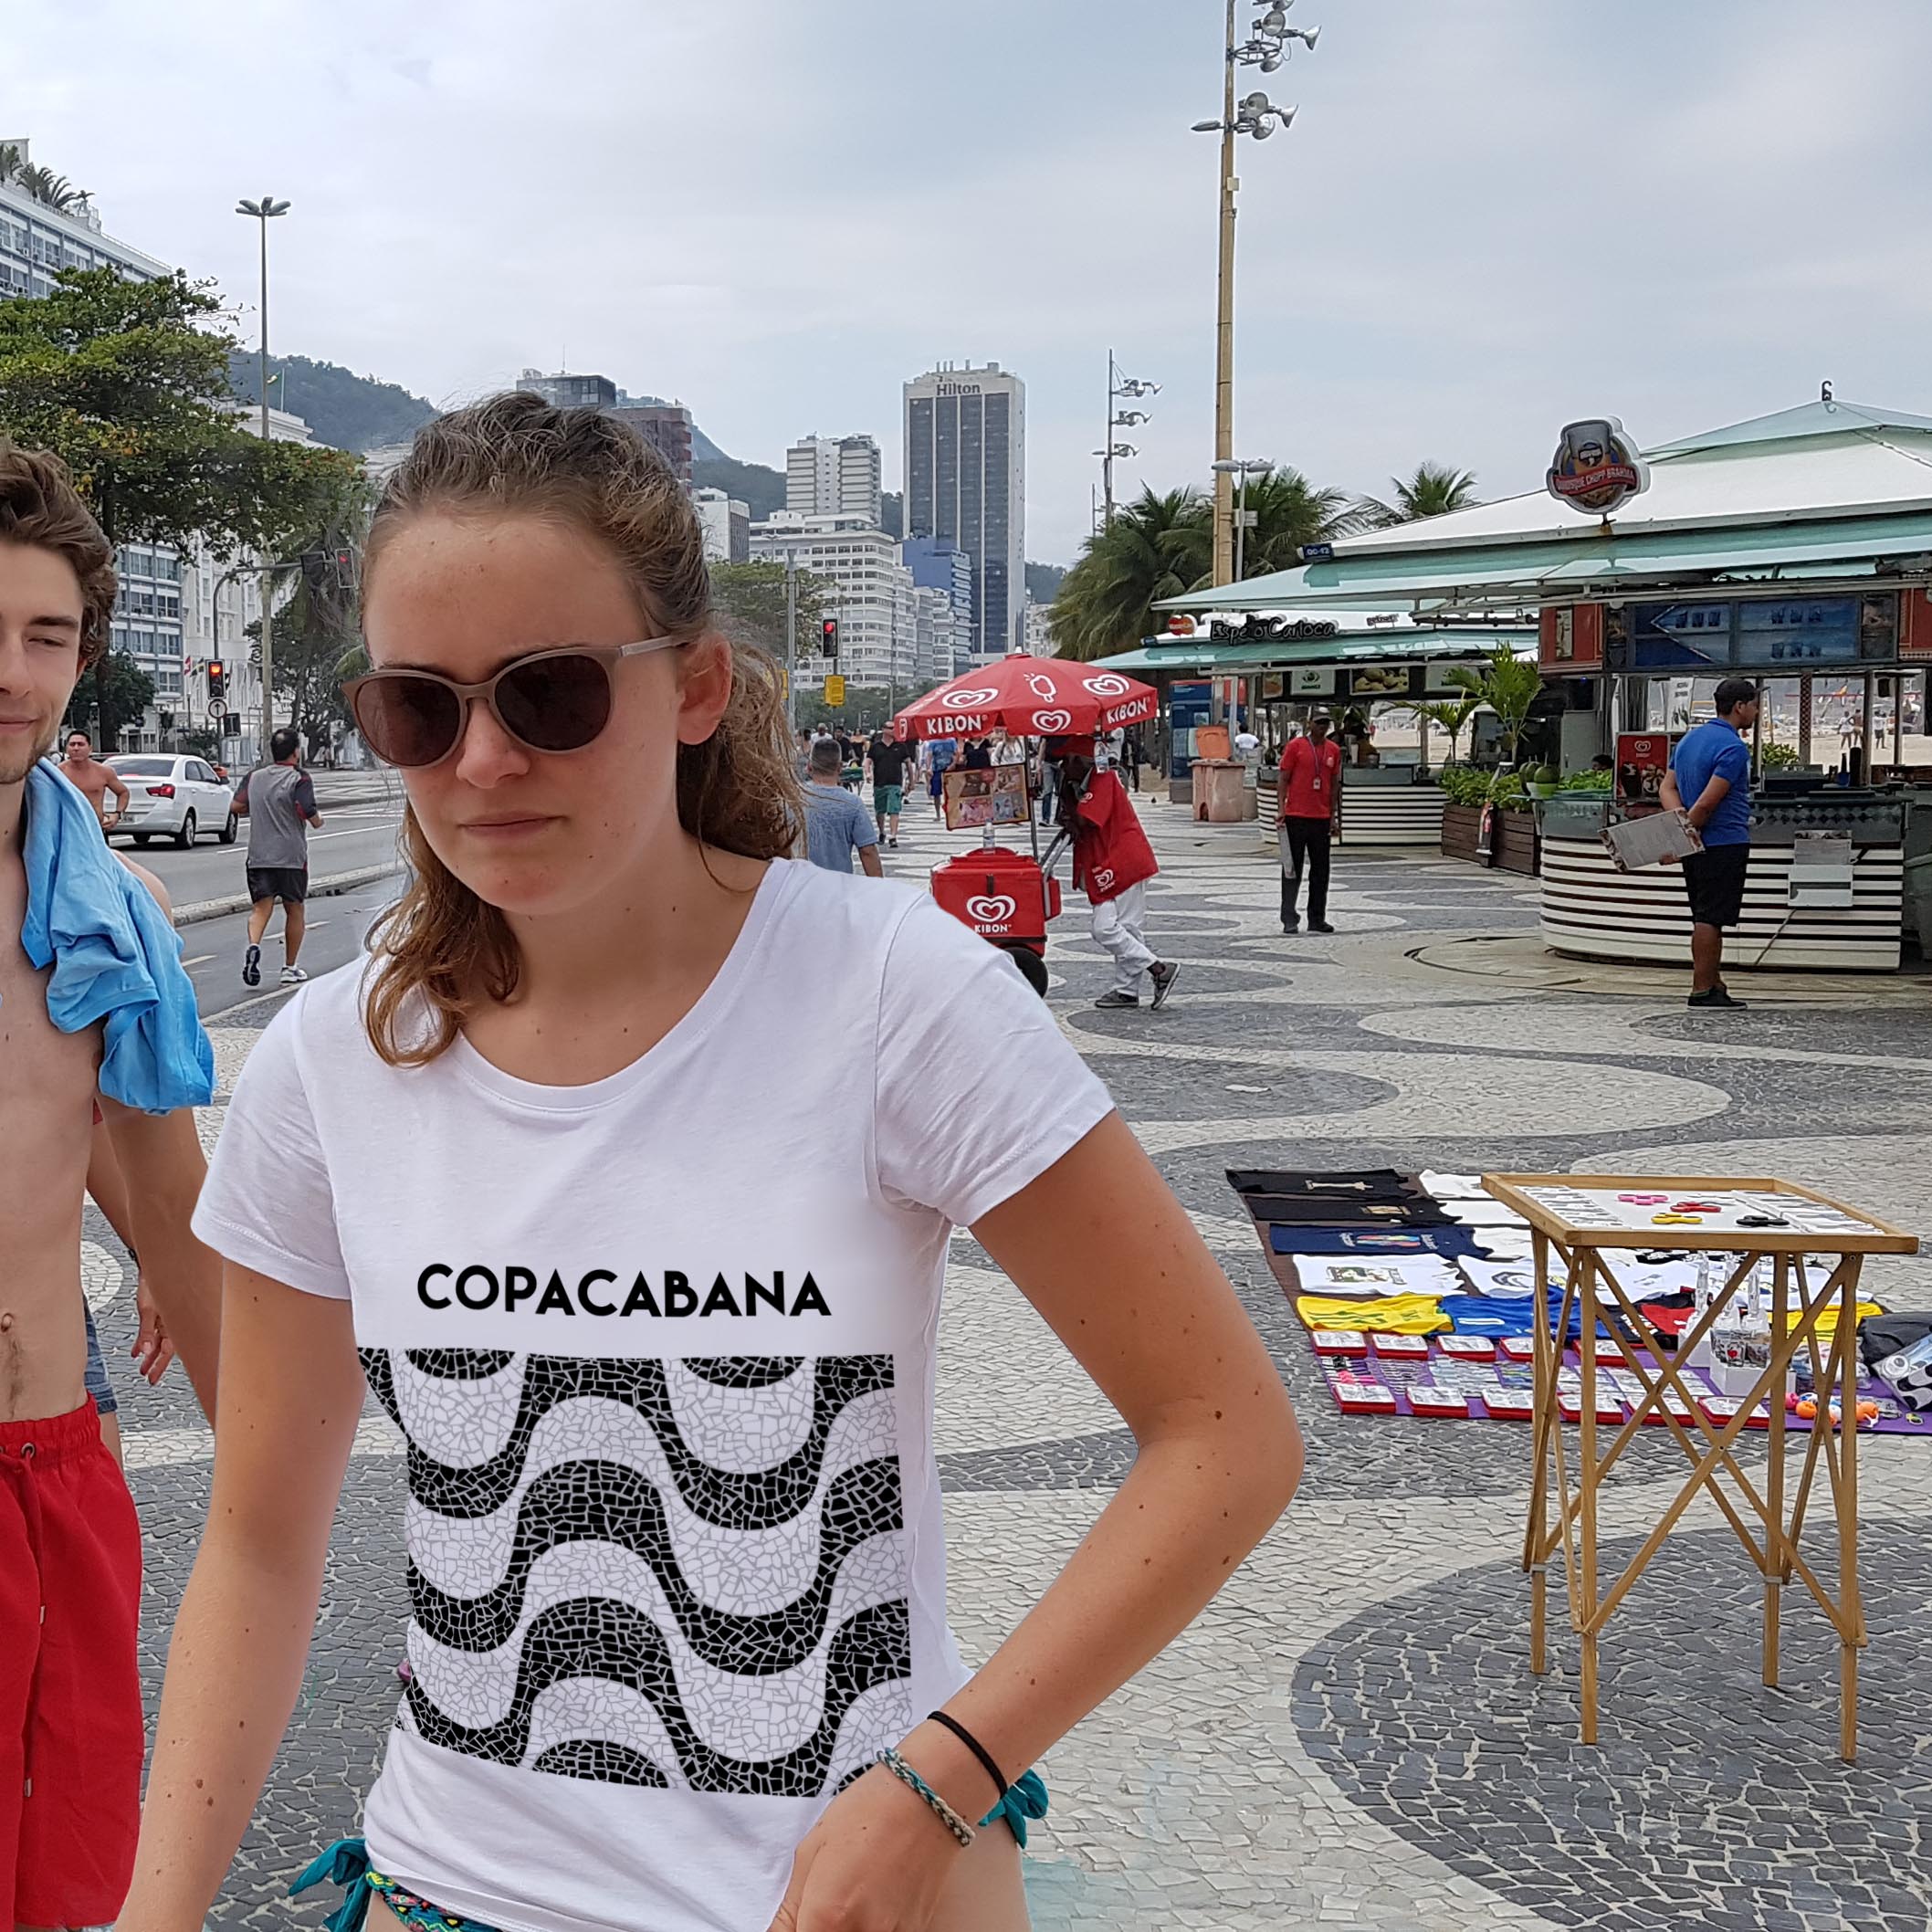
column 943, row 1812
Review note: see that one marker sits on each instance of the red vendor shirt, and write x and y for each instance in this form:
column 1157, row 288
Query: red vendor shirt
column 1111, row 850
column 1310, row 777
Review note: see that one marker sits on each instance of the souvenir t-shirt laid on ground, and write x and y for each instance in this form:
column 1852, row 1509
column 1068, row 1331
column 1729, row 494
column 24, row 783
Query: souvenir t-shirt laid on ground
column 662, row 1350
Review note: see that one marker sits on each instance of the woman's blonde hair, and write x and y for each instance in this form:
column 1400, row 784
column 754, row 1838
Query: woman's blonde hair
column 441, row 946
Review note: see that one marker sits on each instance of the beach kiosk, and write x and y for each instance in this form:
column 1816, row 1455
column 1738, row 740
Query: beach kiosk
column 1796, row 549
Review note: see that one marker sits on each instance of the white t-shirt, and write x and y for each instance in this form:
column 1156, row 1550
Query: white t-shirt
column 661, row 1347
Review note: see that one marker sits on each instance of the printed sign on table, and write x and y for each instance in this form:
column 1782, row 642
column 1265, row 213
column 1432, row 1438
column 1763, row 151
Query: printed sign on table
column 994, row 796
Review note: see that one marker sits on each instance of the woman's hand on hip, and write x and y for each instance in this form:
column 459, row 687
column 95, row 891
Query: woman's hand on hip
column 876, row 1861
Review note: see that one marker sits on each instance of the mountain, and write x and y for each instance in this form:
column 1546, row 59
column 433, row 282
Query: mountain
column 1042, row 582
column 344, row 410
column 760, row 490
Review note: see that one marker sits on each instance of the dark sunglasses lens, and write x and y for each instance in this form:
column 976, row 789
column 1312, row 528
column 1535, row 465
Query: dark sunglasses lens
column 555, row 704
column 408, row 720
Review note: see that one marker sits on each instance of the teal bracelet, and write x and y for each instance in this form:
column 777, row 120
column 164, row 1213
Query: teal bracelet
column 943, row 1812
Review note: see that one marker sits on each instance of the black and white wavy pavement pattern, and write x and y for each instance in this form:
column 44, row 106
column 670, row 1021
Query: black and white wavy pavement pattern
column 688, row 1574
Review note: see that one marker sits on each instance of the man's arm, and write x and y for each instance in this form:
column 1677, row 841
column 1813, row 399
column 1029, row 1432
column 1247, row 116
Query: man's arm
column 241, row 797
column 865, row 841
column 119, row 790
column 1708, row 800
column 162, row 1169
column 305, row 800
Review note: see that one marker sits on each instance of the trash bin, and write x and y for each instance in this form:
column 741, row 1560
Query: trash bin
column 1219, row 791
column 1918, row 900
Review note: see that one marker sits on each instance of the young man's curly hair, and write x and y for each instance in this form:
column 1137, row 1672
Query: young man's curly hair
column 41, row 506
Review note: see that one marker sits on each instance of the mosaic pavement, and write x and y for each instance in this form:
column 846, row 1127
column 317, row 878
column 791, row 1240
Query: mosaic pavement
column 1350, row 1736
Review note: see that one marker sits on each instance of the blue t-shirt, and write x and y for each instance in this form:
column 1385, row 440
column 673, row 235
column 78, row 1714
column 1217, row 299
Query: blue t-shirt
column 1716, row 750
column 837, row 825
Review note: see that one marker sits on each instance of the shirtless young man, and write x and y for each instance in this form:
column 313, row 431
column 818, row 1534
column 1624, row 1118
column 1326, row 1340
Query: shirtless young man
column 70, row 1721
column 94, row 780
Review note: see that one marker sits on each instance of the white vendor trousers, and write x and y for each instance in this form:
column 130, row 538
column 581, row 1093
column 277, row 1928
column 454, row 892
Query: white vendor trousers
column 1118, row 926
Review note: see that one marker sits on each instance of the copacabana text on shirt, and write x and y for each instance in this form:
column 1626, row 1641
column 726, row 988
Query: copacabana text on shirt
column 601, row 1292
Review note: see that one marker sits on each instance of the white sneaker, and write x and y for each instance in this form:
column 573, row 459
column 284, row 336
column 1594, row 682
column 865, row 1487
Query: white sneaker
column 291, row 976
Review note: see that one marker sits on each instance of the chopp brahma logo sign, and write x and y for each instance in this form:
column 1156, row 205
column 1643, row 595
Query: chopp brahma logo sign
column 1596, row 469
column 968, row 700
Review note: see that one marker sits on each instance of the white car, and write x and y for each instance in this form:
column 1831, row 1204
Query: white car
column 173, row 795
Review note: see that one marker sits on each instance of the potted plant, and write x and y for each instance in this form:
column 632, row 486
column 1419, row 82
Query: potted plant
column 1543, row 782
column 1465, row 791
column 1509, row 686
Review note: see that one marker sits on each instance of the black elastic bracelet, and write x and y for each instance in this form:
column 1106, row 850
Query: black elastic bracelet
column 973, row 1745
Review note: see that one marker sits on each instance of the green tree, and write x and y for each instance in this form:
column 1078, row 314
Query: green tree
column 128, row 383
column 1289, row 512
column 116, row 687
column 56, row 190
column 1162, row 545
column 1450, row 715
column 319, row 625
column 1434, row 490
column 1509, row 686
column 1158, row 546
column 750, row 599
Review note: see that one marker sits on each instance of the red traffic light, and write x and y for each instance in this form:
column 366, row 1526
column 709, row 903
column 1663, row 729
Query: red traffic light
column 828, row 637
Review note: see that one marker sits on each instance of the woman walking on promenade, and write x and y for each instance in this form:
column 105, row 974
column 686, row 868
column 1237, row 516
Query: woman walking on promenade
column 623, row 1170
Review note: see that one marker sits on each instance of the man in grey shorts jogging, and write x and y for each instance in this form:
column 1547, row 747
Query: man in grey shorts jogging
column 278, row 801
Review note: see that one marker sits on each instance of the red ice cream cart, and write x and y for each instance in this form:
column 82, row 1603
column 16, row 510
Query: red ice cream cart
column 1009, row 897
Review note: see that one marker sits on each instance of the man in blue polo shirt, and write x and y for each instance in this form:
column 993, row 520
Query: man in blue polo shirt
column 1710, row 780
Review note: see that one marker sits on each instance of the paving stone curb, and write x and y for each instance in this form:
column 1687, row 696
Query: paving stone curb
column 318, row 890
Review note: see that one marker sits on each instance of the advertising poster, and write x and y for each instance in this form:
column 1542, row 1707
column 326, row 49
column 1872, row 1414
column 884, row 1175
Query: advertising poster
column 995, row 796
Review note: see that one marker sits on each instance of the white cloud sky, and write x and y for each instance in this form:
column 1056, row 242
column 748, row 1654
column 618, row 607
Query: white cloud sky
column 1489, row 217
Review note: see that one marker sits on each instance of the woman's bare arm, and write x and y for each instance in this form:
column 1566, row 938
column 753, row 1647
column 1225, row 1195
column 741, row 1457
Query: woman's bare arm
column 291, row 1392
column 1101, row 1247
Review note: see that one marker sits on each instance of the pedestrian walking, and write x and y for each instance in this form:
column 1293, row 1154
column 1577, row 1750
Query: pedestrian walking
column 628, row 1164
column 1709, row 780
column 94, row 781
column 889, row 758
column 938, row 756
column 100, row 1023
column 837, row 825
column 977, row 755
column 1133, row 757
column 1112, row 863
column 1310, row 797
column 278, row 800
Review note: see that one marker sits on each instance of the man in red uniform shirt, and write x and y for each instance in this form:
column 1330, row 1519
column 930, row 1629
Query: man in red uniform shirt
column 1310, row 799
column 1112, row 863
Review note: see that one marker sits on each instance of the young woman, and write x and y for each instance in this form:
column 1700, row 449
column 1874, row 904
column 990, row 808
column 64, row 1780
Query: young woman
column 619, row 1166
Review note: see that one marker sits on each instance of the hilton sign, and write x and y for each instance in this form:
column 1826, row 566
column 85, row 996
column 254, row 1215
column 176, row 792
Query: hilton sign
column 959, row 389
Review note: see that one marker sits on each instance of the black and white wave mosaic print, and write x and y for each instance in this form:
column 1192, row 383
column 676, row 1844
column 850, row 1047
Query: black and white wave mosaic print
column 683, row 1574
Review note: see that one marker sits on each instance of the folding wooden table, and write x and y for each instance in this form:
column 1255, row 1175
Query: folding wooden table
column 1580, row 1220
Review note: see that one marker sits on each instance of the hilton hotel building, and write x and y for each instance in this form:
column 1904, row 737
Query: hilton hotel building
column 966, row 485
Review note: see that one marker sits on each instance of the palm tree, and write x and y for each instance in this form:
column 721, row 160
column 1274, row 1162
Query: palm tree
column 1291, row 511
column 54, row 190
column 11, row 162
column 1158, row 546
column 1449, row 715
column 1509, row 687
column 1434, row 490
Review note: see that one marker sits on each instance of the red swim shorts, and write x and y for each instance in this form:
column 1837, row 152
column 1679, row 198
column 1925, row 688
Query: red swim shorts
column 70, row 1731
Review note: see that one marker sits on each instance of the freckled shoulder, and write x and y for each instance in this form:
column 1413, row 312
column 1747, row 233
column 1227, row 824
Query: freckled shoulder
column 154, row 885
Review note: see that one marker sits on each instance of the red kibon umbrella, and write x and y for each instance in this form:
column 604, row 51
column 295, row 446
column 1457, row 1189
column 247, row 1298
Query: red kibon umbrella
column 1029, row 698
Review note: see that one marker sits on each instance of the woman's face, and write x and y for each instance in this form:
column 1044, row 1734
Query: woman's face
column 540, row 834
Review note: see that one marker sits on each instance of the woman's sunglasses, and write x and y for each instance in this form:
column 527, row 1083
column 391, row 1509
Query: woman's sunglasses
column 554, row 700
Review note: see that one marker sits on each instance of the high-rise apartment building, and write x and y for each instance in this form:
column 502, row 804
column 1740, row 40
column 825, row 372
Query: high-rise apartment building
column 872, row 595
column 966, row 485
column 563, row 390
column 727, row 526
column 833, row 477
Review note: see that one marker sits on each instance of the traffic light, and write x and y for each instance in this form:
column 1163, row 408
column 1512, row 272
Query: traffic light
column 217, row 681
column 828, row 638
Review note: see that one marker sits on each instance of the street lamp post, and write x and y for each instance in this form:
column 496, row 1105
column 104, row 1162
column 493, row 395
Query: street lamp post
column 1255, row 114
column 1240, row 470
column 265, row 211
column 1119, row 387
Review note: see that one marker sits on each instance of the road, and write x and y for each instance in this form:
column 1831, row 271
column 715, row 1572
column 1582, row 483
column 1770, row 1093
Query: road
column 214, row 948
column 358, row 832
